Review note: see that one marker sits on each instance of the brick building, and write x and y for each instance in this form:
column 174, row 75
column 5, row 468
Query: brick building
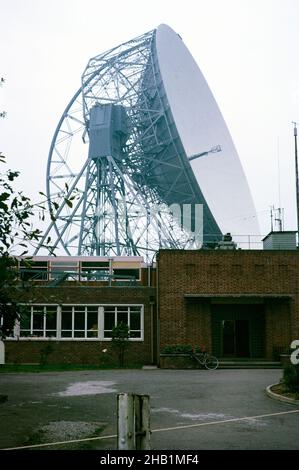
column 71, row 305
column 237, row 303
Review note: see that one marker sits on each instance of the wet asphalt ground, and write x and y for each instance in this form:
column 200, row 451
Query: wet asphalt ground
column 62, row 406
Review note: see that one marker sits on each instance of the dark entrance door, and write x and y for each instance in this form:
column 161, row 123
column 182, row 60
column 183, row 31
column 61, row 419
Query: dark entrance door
column 235, row 338
column 242, row 338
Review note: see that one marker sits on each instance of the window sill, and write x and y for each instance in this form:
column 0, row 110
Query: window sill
column 102, row 340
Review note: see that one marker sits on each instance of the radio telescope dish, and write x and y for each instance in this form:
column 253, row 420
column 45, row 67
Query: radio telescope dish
column 143, row 131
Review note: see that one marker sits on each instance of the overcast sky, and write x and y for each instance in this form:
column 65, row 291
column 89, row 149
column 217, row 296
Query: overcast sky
column 247, row 51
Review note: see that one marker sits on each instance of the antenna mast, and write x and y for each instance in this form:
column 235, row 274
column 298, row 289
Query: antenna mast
column 297, row 182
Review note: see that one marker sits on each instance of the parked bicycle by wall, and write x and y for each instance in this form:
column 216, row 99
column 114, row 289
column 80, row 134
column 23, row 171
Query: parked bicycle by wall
column 205, row 359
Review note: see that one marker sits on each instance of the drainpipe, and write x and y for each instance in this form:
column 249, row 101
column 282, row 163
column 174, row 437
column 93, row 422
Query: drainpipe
column 152, row 330
column 158, row 310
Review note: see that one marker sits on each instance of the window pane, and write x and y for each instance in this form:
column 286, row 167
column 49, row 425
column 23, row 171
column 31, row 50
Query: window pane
column 135, row 334
column 24, row 333
column 79, row 321
column 38, row 321
column 92, row 321
column 38, row 309
column 66, row 320
column 107, row 334
column 66, row 309
column 135, row 321
column 51, row 320
column 92, row 309
column 108, row 320
column 109, row 309
column 38, row 333
column 122, row 317
column 93, row 264
column 66, row 334
column 92, row 334
column 51, row 333
column 126, row 273
column 79, row 334
column 25, row 321
column 79, row 308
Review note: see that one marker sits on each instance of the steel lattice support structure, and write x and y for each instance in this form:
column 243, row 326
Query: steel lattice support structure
column 117, row 145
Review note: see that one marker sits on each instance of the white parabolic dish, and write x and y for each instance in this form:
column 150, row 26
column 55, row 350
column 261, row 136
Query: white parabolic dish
column 201, row 126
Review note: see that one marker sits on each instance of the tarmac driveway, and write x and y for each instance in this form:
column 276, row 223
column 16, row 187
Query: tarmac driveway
column 62, row 406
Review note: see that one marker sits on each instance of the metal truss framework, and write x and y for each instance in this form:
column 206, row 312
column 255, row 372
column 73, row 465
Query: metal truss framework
column 113, row 213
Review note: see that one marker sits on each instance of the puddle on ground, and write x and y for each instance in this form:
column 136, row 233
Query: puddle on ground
column 94, row 387
column 193, row 416
column 206, row 417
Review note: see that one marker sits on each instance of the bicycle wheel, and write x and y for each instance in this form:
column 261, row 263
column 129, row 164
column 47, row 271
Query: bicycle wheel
column 211, row 362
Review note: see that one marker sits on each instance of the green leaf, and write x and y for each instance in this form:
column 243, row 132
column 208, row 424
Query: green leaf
column 68, row 202
column 4, row 196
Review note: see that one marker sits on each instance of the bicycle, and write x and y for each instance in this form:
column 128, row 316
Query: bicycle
column 206, row 360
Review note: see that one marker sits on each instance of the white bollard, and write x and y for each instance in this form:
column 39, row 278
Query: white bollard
column 133, row 422
column 125, row 422
column 2, row 353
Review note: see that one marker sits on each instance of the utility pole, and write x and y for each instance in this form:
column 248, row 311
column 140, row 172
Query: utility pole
column 297, row 182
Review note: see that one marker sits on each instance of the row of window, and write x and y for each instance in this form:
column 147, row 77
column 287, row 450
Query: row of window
column 76, row 270
column 79, row 321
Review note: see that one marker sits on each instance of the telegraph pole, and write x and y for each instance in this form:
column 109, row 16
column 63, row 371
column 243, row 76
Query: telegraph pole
column 297, row 182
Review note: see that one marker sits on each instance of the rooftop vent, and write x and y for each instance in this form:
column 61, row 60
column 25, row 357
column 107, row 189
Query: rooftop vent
column 227, row 243
column 280, row 241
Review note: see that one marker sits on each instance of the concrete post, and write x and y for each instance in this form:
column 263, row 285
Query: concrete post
column 133, row 422
column 125, row 422
column 2, row 353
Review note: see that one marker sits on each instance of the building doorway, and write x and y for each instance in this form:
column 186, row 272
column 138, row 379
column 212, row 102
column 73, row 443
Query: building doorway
column 235, row 338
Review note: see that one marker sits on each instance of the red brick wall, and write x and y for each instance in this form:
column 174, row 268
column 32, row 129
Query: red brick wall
column 198, row 324
column 278, row 326
column 220, row 272
column 74, row 352
column 84, row 352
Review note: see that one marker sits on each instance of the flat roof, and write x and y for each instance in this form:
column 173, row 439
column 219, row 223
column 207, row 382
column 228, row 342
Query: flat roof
column 280, row 233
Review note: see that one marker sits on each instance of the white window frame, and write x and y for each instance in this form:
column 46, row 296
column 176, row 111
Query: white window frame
column 17, row 329
column 58, row 337
column 115, row 319
column 73, row 337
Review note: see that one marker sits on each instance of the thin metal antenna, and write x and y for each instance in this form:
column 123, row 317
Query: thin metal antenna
column 278, row 169
column 278, row 219
column 296, row 167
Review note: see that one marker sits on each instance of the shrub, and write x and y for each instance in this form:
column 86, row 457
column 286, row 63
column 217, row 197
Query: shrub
column 44, row 354
column 291, row 377
column 120, row 340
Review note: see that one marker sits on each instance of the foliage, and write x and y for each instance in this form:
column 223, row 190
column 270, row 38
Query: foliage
column 291, row 377
column 16, row 234
column 44, row 354
column 120, row 340
column 16, row 209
